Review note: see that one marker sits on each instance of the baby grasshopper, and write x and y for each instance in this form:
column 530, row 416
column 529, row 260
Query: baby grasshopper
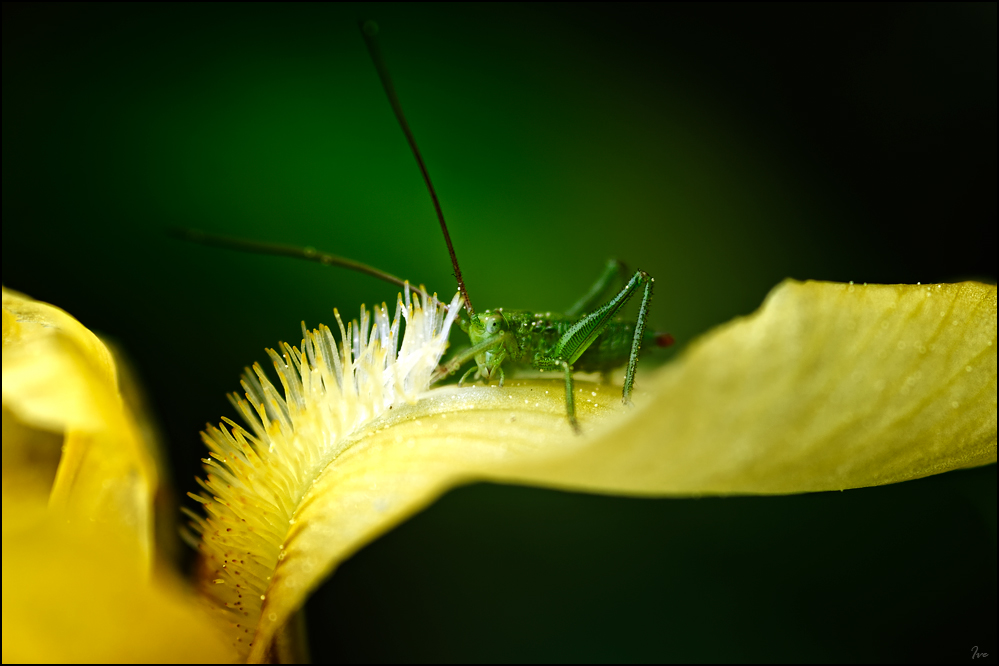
column 588, row 337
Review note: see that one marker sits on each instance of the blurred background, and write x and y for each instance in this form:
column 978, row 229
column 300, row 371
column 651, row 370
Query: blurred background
column 720, row 148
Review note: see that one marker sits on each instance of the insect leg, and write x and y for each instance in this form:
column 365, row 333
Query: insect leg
column 465, row 376
column 636, row 342
column 583, row 333
column 464, row 357
column 614, row 270
column 570, row 402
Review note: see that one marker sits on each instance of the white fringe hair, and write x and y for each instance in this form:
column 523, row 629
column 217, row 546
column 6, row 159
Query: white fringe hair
column 255, row 479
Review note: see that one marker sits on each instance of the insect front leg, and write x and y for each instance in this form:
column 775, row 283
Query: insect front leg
column 464, row 357
column 502, row 375
column 465, row 376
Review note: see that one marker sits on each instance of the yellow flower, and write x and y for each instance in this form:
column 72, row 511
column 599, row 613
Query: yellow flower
column 80, row 577
column 827, row 386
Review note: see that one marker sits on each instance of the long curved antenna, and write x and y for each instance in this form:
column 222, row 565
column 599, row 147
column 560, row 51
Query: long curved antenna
column 312, row 254
column 369, row 29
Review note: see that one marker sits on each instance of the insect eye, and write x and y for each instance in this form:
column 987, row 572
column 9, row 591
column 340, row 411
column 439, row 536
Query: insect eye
column 494, row 324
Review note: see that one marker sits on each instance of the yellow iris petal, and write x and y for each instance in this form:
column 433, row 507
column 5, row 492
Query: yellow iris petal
column 827, row 386
column 59, row 378
column 78, row 486
column 74, row 594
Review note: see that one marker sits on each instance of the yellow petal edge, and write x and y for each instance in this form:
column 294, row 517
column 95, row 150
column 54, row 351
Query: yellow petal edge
column 826, row 387
column 59, row 378
column 78, row 487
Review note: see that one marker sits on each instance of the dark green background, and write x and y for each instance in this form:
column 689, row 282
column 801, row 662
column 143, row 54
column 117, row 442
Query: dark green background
column 721, row 148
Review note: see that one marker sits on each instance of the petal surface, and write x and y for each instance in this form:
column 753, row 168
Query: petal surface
column 827, row 386
column 79, row 478
column 74, row 595
column 60, row 386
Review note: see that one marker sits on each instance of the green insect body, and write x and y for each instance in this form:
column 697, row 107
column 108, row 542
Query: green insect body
column 588, row 337
column 537, row 339
column 533, row 338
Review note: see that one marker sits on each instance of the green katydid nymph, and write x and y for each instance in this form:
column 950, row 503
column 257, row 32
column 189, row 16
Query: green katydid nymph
column 589, row 336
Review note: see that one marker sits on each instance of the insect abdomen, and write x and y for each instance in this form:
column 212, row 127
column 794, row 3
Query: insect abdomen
column 538, row 334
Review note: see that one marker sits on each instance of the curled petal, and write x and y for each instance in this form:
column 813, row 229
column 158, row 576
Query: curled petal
column 79, row 479
column 827, row 386
column 61, row 398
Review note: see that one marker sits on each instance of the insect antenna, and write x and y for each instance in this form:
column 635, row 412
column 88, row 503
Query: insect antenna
column 312, row 254
column 369, row 29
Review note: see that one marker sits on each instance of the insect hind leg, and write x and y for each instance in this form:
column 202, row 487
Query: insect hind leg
column 581, row 335
column 614, row 270
column 570, row 401
column 636, row 342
